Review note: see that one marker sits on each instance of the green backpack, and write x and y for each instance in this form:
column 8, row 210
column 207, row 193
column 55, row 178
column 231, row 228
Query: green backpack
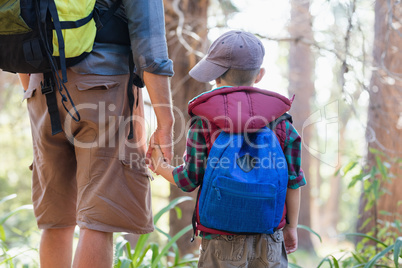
column 37, row 36
column 44, row 36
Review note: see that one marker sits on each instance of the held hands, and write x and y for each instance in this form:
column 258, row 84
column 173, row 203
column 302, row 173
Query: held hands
column 160, row 166
column 161, row 139
column 157, row 159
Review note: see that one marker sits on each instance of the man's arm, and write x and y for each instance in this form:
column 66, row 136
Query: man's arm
column 159, row 92
column 146, row 25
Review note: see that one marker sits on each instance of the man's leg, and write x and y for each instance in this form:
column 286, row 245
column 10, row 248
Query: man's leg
column 95, row 249
column 56, row 247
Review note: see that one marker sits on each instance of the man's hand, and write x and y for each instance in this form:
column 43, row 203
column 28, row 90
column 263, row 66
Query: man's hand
column 159, row 165
column 290, row 238
column 161, row 138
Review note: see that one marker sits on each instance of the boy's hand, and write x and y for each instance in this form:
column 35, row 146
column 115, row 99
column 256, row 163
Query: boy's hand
column 157, row 159
column 290, row 238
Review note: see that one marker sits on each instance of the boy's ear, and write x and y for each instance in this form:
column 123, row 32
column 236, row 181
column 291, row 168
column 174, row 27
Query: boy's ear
column 260, row 75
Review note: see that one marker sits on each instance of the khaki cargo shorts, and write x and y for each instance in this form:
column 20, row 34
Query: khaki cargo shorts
column 253, row 251
column 90, row 175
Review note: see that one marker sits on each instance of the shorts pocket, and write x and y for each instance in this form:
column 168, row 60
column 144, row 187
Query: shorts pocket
column 96, row 85
column 228, row 247
column 273, row 244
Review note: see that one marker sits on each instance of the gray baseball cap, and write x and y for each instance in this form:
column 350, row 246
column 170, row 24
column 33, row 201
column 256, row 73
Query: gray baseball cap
column 233, row 50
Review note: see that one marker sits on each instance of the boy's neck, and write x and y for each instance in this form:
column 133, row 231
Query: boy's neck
column 220, row 82
column 224, row 84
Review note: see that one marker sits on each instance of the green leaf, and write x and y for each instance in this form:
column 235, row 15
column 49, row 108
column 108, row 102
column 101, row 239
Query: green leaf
column 175, row 248
column 178, row 212
column 155, row 251
column 171, row 205
column 310, row 230
column 144, row 253
column 2, row 233
column 119, row 247
column 351, row 165
column 381, row 167
column 366, row 236
column 376, row 187
column 170, row 243
column 337, row 172
column 14, row 256
column 8, row 215
column 355, row 179
column 386, row 213
column 397, row 250
column 381, row 254
column 358, row 258
column 139, row 248
column 125, row 263
column 129, row 254
column 8, row 197
column 325, row 260
column 292, row 265
column 336, row 264
column 398, row 225
column 373, row 172
column 185, row 262
column 367, row 221
column 376, row 152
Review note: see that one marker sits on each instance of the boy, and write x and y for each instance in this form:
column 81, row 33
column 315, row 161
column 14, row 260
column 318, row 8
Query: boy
column 234, row 62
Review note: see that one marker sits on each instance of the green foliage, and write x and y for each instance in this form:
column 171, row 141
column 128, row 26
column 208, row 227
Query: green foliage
column 146, row 253
column 14, row 254
column 381, row 246
column 300, row 226
column 150, row 254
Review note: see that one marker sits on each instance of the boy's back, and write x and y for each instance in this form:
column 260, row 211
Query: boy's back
column 233, row 61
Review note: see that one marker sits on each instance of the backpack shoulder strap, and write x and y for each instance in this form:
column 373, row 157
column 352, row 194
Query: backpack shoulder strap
column 277, row 121
column 102, row 20
column 279, row 128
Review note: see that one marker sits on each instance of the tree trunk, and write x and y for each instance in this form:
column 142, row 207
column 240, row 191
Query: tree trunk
column 186, row 27
column 301, row 68
column 384, row 125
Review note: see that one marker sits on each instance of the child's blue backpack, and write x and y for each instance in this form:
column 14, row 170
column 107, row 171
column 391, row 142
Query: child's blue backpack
column 244, row 186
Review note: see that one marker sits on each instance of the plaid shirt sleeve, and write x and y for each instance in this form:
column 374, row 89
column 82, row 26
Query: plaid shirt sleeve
column 292, row 151
column 188, row 176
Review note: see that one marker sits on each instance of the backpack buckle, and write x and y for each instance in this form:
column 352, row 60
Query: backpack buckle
column 47, row 85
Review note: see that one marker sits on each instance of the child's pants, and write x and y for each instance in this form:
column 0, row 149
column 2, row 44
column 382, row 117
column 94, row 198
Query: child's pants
column 254, row 251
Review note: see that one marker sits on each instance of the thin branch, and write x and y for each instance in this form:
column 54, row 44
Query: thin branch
column 179, row 29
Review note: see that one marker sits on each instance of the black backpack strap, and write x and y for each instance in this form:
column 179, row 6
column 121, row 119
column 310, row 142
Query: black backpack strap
column 194, row 218
column 78, row 23
column 60, row 39
column 130, row 95
column 47, row 87
column 52, row 80
column 108, row 15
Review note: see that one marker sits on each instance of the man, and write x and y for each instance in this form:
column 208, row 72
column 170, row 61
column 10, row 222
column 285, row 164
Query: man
column 91, row 175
